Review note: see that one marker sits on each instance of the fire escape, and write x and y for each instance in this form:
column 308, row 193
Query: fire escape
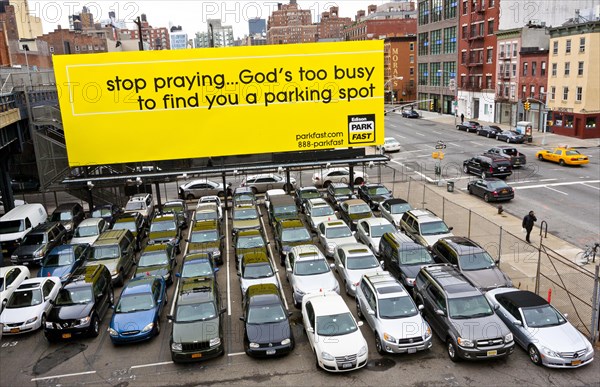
column 474, row 36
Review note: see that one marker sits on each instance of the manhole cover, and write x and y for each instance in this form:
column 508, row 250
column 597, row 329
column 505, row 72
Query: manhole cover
column 382, row 364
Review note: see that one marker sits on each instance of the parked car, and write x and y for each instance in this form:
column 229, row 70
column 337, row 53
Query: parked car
column 338, row 192
column 137, row 314
column 369, row 231
column 274, row 192
column 352, row 260
column 263, row 183
column 212, row 199
column 164, row 229
column 325, row 177
column 108, row 212
column 491, row 189
column 245, row 217
column 332, row 234
column 135, row 223
column 206, row 237
column 39, row 242
column 510, row 136
column 393, row 209
column 290, row 233
column 24, row 183
column 142, row 203
column 243, row 196
column 390, row 144
column 157, row 260
column 563, row 156
column 10, row 279
column 424, row 227
column 116, row 250
column 197, row 265
column 256, row 269
column 540, row 329
column 472, row 261
column 17, row 223
column 248, row 241
column 333, row 333
column 303, row 194
column 392, row 315
column 318, row 211
column 89, row 230
column 81, row 304
column 469, row 126
column 403, row 258
column 63, row 260
column 267, row 329
column 461, row 315
column 207, row 212
column 179, row 208
column 281, row 207
column 374, row 194
column 410, row 113
column 353, row 210
column 197, row 188
column 489, row 131
column 28, row 305
column 69, row 215
column 517, row 159
column 488, row 166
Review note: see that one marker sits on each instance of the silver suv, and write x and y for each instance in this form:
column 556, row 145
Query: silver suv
column 424, row 227
column 392, row 315
column 142, row 203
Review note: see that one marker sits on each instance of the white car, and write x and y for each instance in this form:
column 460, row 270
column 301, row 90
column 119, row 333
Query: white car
column 256, row 269
column 28, row 306
column 10, row 279
column 319, row 211
column 390, row 144
column 370, row 230
column 337, row 175
column 198, row 188
column 207, row 212
column 334, row 233
column 212, row 199
column 142, row 203
column 352, row 261
column 89, row 230
column 308, row 272
column 333, row 333
column 393, row 209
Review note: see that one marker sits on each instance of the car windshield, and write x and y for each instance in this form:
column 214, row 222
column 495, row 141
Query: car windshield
column 163, row 226
column 311, row 267
column 310, row 194
column 61, row 259
column 322, row 211
column 196, row 312
column 24, row 298
column 400, row 208
column 379, row 230
column 101, row 213
column 204, row 236
column 361, row 262
column 154, row 258
column 378, row 191
column 135, row 302
column 359, row 209
column 434, row 228
column 173, row 208
column 246, row 197
column 207, row 215
column 80, row 295
column 416, row 256
column 245, row 214
column 125, row 226
column 196, row 269
column 85, row 231
column 343, row 191
column 338, row 232
column 542, row 316
column 285, row 210
column 265, row 314
column 469, row 307
column 249, row 242
column 397, row 307
column 295, row 235
column 105, row 252
column 11, row 226
column 476, row 261
column 572, row 152
column 58, row 216
column 497, row 184
column 134, row 206
column 336, row 324
column 34, row 239
column 258, row 270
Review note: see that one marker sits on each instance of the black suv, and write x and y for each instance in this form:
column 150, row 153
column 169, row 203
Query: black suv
column 197, row 332
column 338, row 192
column 374, row 194
column 38, row 243
column 134, row 222
column 461, row 315
column 81, row 304
column 70, row 215
column 488, row 166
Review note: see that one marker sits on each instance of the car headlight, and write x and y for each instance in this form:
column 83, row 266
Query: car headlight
column 465, row 343
column 214, row 342
column 112, row 332
column 330, row 245
column 550, row 352
column 84, row 321
column 14, row 257
column 286, row 341
column 114, row 271
column 148, row 327
column 389, row 338
column 300, row 292
column 410, row 281
column 508, row 338
column 428, row 332
column 253, row 345
column 326, row 356
column 39, row 253
column 49, row 325
column 363, row 351
column 177, row 347
column 31, row 320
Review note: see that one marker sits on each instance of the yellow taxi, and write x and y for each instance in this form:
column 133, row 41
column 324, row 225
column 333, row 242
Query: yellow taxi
column 563, row 155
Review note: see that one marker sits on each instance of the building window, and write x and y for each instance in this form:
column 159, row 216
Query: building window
column 501, row 51
column 411, row 46
column 423, row 44
column 514, row 46
column 411, row 71
column 514, row 70
column 565, row 93
column 488, row 82
column 525, row 65
column 552, row 93
column 491, row 3
column 554, row 69
column 465, row 33
column 555, row 47
column 412, row 59
column 567, row 69
column 531, row 91
column 464, row 7
column 436, row 42
column 450, row 9
column 542, row 93
column 450, row 40
column 523, row 91
column 423, row 74
column 580, row 68
column 463, row 57
column 543, row 70
column 579, row 92
column 512, row 91
column 51, row 48
column 581, row 44
column 568, row 47
column 424, row 12
column 533, row 69
column 90, row 48
column 490, row 55
column 590, row 122
column 568, row 121
column 436, row 10
column 436, row 73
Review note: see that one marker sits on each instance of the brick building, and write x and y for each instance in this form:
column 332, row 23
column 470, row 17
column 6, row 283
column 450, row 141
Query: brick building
column 156, row 38
column 387, row 20
column 62, row 41
column 290, row 24
column 331, row 26
column 400, row 61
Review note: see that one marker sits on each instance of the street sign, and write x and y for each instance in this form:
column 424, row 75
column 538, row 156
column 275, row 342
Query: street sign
column 440, row 145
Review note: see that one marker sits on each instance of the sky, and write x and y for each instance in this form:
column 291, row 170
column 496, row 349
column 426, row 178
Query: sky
column 189, row 14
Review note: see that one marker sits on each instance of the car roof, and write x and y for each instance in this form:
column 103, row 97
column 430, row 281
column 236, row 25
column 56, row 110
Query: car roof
column 372, row 185
column 43, row 227
column 523, row 298
column 255, row 257
column 395, row 201
column 253, row 232
column 196, row 257
column 34, row 283
column 196, row 290
column 84, row 275
column 339, row 185
column 205, row 225
column 139, row 285
column 90, row 222
column 354, row 202
column 174, row 202
column 163, row 217
column 462, row 245
column 206, row 206
column 451, row 280
column 66, row 247
column 307, row 188
column 127, row 217
column 291, row 223
column 318, row 202
column 263, row 294
column 352, row 249
column 386, row 285
column 424, row 215
column 243, row 190
column 305, row 249
column 252, row 177
column 155, row 247
column 375, row 221
column 334, row 223
column 327, row 303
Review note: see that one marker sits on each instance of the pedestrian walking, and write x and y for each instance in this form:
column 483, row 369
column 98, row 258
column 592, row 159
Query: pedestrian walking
column 528, row 221
column 462, row 118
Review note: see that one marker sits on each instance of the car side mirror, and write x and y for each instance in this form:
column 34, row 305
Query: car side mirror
column 360, row 323
column 215, row 270
column 310, row 330
column 497, row 261
column 290, row 314
column 223, row 310
column 518, row 323
column 242, row 318
column 178, row 275
column 288, row 269
column 51, row 302
column 371, row 312
column 112, row 306
column 421, row 307
column 566, row 315
column 169, row 318
column 440, row 312
column 496, row 306
column 332, row 265
column 353, row 232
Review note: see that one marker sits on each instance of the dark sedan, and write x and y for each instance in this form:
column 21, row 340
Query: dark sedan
column 489, row 131
column 491, row 189
column 469, row 126
column 303, row 194
column 510, row 136
column 410, row 114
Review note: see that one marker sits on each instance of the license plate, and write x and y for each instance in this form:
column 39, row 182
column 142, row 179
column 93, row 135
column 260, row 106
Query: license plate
column 271, row 352
column 504, row 191
column 15, row 330
column 5, row 251
column 412, row 350
column 346, row 365
column 196, row 355
column 66, row 335
column 575, row 362
column 492, row 353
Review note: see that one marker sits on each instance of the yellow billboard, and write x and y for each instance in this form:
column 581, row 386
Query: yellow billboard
column 165, row 105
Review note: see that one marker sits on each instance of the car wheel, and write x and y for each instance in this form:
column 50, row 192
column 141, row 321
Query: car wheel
column 470, row 190
column 190, row 197
column 254, row 190
column 43, row 321
column 326, row 184
column 486, row 197
column 378, row 345
column 359, row 181
column 221, row 194
column 111, row 296
column 534, row 355
column 346, row 287
column 94, row 326
column 508, row 140
column 358, row 311
column 488, row 135
column 483, row 175
column 157, row 327
column 121, row 280
column 498, row 138
column 465, row 169
column 288, row 187
column 451, row 349
column 540, row 157
column 561, row 162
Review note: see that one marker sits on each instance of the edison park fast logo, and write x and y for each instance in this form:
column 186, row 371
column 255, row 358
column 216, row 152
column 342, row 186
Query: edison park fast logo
column 361, row 128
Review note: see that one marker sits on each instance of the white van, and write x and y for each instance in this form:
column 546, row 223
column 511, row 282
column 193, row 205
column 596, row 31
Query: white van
column 16, row 223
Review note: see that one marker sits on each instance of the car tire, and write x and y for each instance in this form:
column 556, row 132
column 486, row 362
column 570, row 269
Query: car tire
column 190, row 197
column 498, row 138
column 465, row 169
column 94, row 326
column 470, row 190
column 561, row 162
column 121, row 279
column 540, row 157
column 488, row 135
column 359, row 181
column 378, row 345
column 486, row 197
column 534, row 355
column 451, row 350
column 326, row 184
column 157, row 328
column 483, row 175
column 358, row 311
column 43, row 321
column 254, row 190
column 508, row 140
column 288, row 187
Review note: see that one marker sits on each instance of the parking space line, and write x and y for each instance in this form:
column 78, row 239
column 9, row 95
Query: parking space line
column 227, row 263
column 63, row 375
column 420, row 134
column 591, row 186
column 151, row 365
column 236, row 354
column 397, row 135
column 275, row 265
column 555, row 190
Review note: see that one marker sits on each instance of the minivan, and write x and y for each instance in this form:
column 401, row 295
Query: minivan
column 116, row 250
column 17, row 223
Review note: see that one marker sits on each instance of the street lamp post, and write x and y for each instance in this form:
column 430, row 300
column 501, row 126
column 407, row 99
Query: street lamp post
column 389, row 81
column 452, row 84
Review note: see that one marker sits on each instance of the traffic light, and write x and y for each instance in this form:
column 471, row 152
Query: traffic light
column 527, row 105
column 431, row 106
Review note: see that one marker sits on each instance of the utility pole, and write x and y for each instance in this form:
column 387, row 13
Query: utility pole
column 138, row 22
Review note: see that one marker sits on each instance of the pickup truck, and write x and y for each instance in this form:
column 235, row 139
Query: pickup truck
column 563, row 156
column 516, row 158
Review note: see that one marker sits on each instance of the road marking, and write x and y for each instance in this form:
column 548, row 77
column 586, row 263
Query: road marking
column 476, row 143
column 392, row 125
column 413, row 151
column 275, row 265
column 227, row 263
column 420, row 134
column 531, row 181
column 410, row 169
column 236, row 354
column 560, row 184
column 151, row 365
column 436, row 132
column 63, row 375
column 591, row 186
column 453, row 144
column 555, row 190
column 397, row 135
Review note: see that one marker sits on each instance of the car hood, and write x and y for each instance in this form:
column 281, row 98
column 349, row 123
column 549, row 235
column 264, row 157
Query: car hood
column 431, row 239
column 54, row 271
column 247, row 282
column 481, row 328
column 248, row 223
column 16, row 315
column 404, row 328
column 410, row 271
column 487, row 278
column 316, row 283
column 89, row 240
column 203, row 246
column 341, row 241
column 196, row 331
column 111, row 264
column 268, row 333
column 343, row 345
column 27, row 249
column 70, row 312
column 317, row 220
column 360, row 216
column 162, row 235
column 132, row 321
column 561, row 338
column 158, row 270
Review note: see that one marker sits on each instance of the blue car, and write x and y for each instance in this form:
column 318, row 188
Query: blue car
column 137, row 314
column 63, row 260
